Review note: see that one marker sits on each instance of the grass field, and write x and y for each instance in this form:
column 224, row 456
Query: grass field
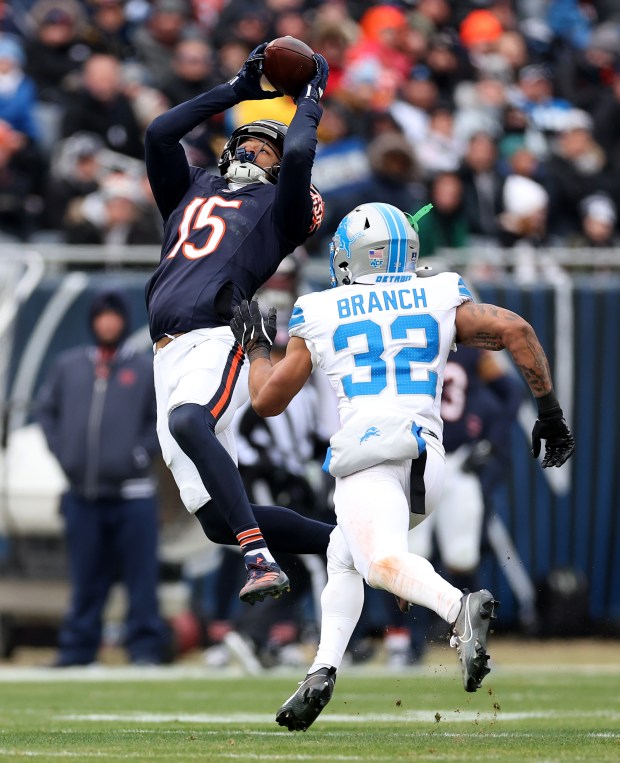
column 531, row 710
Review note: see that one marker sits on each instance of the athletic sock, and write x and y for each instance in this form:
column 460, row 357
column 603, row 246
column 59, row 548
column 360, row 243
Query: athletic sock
column 253, row 544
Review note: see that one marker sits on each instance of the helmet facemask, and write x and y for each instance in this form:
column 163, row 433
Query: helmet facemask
column 239, row 165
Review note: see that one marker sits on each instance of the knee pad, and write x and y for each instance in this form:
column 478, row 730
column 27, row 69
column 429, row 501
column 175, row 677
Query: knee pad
column 339, row 557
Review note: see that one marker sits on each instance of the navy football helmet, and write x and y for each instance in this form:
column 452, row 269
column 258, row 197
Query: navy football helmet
column 245, row 170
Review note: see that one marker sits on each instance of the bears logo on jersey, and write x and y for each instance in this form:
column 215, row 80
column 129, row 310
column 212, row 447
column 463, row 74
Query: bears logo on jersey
column 318, row 210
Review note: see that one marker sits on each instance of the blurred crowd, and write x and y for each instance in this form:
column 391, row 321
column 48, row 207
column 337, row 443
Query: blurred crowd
column 503, row 114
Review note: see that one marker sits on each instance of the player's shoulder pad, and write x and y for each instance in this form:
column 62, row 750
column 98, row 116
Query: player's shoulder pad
column 453, row 280
column 306, row 307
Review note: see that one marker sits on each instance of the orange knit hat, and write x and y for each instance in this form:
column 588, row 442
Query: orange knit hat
column 480, row 26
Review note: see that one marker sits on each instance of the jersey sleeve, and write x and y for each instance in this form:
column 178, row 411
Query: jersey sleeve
column 303, row 324
column 453, row 290
column 166, row 164
column 298, row 211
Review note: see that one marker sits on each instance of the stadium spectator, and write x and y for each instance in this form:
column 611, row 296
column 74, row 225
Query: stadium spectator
column 22, row 177
column 75, row 172
column 154, row 41
column 17, row 91
column 97, row 410
column 584, row 74
column 57, row 49
column 482, row 184
column 606, row 118
column 447, row 226
column 442, row 148
column 101, row 107
column 109, row 30
column 599, row 216
column 191, row 72
column 114, row 216
column 578, row 168
column 524, row 217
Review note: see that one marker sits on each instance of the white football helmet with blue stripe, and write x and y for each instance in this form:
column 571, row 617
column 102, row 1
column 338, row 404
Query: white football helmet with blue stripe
column 373, row 238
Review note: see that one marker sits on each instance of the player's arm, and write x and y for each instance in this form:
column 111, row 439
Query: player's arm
column 489, row 327
column 493, row 328
column 272, row 387
column 166, row 164
column 293, row 208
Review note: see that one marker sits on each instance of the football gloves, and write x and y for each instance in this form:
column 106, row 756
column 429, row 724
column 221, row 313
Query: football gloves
column 559, row 442
column 254, row 332
column 316, row 87
column 246, row 83
column 482, row 453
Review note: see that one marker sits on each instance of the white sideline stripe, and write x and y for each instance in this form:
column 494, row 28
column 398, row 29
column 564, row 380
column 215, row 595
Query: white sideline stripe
column 411, row 716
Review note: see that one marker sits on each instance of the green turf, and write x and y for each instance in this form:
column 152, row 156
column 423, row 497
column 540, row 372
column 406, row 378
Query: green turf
column 548, row 716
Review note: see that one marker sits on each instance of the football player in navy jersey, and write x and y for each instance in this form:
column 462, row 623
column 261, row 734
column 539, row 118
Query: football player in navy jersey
column 224, row 236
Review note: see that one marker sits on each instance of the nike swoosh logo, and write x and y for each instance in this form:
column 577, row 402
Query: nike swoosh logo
column 468, row 634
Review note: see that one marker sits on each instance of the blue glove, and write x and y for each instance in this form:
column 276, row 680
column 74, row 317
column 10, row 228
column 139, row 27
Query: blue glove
column 316, row 87
column 246, row 83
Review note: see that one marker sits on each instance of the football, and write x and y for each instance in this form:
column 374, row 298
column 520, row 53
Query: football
column 289, row 65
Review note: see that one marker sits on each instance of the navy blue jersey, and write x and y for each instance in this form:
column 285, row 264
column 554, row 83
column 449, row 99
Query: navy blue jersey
column 467, row 404
column 221, row 245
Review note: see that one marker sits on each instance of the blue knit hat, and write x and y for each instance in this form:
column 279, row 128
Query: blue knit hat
column 10, row 48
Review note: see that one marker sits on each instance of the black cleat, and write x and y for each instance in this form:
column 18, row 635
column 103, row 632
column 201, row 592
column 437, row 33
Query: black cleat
column 264, row 579
column 300, row 711
column 469, row 635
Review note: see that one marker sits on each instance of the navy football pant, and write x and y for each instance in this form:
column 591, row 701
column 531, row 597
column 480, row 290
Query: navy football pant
column 110, row 541
column 229, row 510
column 284, row 530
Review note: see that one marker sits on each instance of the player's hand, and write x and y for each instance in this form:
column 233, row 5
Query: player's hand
column 481, row 454
column 246, row 83
column 316, row 87
column 254, row 333
column 559, row 442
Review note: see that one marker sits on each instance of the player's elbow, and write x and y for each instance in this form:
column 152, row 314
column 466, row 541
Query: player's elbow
column 516, row 332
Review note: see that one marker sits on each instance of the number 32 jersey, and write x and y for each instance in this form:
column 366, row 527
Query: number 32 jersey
column 384, row 345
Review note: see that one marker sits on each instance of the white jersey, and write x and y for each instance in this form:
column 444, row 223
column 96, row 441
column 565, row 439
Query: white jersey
column 384, row 344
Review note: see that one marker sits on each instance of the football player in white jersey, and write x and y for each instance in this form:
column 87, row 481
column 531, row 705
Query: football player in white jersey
column 383, row 336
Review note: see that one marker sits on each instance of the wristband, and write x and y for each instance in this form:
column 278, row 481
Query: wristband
column 261, row 350
column 548, row 405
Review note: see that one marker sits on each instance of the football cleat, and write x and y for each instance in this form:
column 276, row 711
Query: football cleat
column 302, row 709
column 264, row 579
column 469, row 634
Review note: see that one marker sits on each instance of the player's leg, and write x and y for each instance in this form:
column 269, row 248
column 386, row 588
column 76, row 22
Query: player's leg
column 341, row 606
column 284, row 530
column 373, row 510
column 199, row 379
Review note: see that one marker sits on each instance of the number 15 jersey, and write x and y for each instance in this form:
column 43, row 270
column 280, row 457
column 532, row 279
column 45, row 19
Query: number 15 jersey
column 384, row 344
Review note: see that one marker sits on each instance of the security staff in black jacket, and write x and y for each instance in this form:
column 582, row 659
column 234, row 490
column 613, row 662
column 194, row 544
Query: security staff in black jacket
column 97, row 409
